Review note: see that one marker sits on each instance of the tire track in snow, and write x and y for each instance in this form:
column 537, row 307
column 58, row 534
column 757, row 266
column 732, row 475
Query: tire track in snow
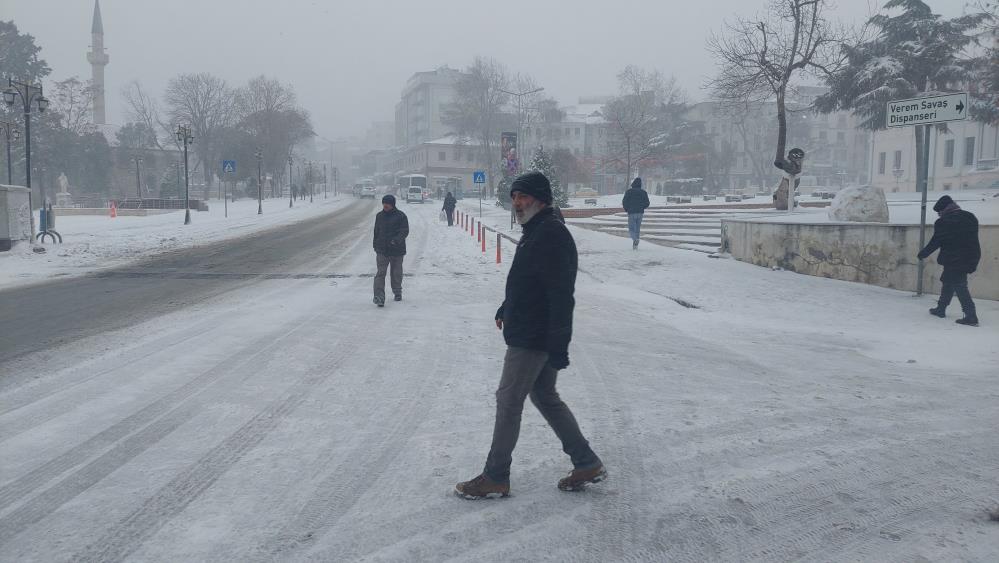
column 126, row 440
column 361, row 468
column 170, row 500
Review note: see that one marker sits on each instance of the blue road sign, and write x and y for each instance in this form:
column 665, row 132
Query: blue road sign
column 229, row 166
column 479, row 177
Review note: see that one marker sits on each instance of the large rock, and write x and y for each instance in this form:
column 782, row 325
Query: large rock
column 863, row 204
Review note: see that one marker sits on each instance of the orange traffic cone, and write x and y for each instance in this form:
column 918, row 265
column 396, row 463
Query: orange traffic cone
column 114, row 209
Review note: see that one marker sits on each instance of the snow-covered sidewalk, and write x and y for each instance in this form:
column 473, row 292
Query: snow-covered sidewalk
column 93, row 243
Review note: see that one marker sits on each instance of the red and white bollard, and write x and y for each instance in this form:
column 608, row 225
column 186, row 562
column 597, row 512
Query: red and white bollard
column 499, row 250
column 482, row 237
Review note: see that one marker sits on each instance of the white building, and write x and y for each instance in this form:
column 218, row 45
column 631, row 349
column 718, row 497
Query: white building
column 419, row 114
column 965, row 157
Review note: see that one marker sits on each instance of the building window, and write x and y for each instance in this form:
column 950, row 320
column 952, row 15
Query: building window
column 822, row 136
column 881, row 163
column 468, row 156
column 442, row 156
column 577, row 131
column 898, row 160
column 840, row 138
column 969, row 151
column 949, row 153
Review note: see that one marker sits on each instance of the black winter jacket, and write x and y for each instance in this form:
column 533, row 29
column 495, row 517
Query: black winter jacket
column 537, row 311
column 449, row 202
column 956, row 235
column 391, row 230
column 636, row 200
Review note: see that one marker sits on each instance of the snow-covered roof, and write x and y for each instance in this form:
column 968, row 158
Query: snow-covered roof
column 453, row 140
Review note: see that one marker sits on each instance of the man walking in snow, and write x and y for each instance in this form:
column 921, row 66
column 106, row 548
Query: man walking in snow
column 449, row 203
column 536, row 320
column 391, row 230
column 955, row 233
column 635, row 202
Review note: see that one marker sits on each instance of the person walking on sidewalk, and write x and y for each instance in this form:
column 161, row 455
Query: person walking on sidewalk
column 391, row 230
column 955, row 233
column 449, row 204
column 536, row 320
column 635, row 202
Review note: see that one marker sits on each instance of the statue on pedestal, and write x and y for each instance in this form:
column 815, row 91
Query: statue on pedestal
column 63, row 198
column 792, row 168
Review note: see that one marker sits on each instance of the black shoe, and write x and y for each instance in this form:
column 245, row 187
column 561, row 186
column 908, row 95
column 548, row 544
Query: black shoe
column 379, row 301
column 938, row 312
column 398, row 297
column 969, row 321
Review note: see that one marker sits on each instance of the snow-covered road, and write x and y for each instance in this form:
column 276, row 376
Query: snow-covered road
column 787, row 417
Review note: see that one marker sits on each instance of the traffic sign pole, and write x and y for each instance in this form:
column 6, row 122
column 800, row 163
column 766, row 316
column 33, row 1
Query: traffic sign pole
column 925, row 112
column 925, row 173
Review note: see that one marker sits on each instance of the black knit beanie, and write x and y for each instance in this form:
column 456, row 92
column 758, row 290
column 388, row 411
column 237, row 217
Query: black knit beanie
column 389, row 199
column 942, row 203
column 636, row 183
column 534, row 184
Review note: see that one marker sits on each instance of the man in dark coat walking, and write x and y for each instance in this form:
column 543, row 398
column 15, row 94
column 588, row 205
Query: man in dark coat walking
column 536, row 320
column 449, row 204
column 955, row 233
column 391, row 230
column 635, row 202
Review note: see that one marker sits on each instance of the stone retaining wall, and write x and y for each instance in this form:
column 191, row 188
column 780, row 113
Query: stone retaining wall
column 872, row 253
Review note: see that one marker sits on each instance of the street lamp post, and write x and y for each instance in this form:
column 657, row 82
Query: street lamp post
column 9, row 133
column 326, row 181
column 29, row 93
column 291, row 196
column 308, row 177
column 184, row 136
column 260, row 202
column 138, row 185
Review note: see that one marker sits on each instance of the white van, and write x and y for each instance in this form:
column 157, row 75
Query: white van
column 414, row 194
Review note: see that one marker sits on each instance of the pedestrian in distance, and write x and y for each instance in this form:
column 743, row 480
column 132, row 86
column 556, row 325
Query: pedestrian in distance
column 635, row 202
column 955, row 233
column 391, row 230
column 536, row 320
column 449, row 204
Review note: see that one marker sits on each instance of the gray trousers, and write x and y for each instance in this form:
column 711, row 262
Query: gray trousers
column 396, row 278
column 526, row 373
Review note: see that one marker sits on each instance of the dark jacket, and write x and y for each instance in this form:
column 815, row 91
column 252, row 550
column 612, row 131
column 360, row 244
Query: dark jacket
column 636, row 200
column 537, row 310
column 391, row 230
column 449, row 202
column 956, row 235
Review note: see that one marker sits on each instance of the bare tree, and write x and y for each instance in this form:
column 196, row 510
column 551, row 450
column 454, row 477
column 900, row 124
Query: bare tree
column 144, row 109
column 477, row 109
column 759, row 59
column 73, row 101
column 209, row 105
column 641, row 119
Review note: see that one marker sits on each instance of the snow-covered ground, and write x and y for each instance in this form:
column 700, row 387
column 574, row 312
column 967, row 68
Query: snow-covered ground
column 93, row 243
column 904, row 209
column 743, row 414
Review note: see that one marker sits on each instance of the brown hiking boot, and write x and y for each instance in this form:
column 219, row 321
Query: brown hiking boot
column 579, row 478
column 482, row 487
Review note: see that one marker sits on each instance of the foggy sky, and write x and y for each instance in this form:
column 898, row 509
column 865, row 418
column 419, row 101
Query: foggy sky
column 348, row 61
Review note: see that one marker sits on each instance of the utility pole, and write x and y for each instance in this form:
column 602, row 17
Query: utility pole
column 184, row 136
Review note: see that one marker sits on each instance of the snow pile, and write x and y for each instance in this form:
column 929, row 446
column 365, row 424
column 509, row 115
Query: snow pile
column 864, row 204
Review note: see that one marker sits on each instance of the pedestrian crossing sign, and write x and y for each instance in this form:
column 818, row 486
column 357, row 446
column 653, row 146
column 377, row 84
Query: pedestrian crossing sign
column 229, row 166
column 479, row 177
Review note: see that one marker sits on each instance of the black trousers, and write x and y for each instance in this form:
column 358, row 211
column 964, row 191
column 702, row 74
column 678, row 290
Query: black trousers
column 450, row 217
column 956, row 283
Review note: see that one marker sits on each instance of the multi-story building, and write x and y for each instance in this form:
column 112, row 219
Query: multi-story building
column 965, row 157
column 447, row 162
column 420, row 111
column 837, row 151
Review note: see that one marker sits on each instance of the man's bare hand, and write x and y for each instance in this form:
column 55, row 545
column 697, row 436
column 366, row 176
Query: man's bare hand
column 499, row 324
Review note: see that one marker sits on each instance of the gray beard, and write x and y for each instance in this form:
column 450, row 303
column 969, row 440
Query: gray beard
column 529, row 212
